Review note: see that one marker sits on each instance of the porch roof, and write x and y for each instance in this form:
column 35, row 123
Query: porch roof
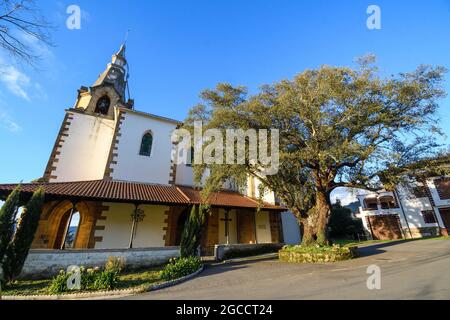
column 104, row 190
column 125, row 192
column 228, row 199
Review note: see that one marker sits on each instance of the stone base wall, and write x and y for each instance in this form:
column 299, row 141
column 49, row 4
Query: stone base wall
column 422, row 232
column 226, row 251
column 44, row 263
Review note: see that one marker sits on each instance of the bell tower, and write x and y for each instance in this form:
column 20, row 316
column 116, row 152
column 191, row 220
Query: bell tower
column 83, row 144
column 108, row 91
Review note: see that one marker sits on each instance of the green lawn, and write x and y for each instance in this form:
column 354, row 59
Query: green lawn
column 128, row 280
column 347, row 242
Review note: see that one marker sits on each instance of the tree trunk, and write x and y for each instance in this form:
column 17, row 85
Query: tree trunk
column 315, row 226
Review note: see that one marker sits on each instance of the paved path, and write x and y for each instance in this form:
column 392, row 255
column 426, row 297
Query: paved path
column 409, row 270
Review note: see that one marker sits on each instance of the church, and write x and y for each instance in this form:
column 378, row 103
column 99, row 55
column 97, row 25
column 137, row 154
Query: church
column 111, row 183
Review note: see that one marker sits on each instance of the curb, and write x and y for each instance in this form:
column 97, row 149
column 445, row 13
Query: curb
column 106, row 294
column 251, row 258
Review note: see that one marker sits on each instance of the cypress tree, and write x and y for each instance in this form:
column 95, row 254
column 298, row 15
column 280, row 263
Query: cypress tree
column 192, row 233
column 18, row 249
column 7, row 215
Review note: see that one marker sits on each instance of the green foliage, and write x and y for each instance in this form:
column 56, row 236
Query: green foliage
column 177, row 268
column 141, row 278
column 342, row 223
column 18, row 249
column 115, row 264
column 59, row 283
column 316, row 254
column 7, row 215
column 338, row 127
column 191, row 237
column 92, row 279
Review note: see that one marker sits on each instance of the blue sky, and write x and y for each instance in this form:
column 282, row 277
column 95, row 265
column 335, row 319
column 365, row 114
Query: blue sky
column 178, row 48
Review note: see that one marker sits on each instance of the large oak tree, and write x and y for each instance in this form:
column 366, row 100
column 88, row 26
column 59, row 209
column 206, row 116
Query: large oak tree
column 338, row 127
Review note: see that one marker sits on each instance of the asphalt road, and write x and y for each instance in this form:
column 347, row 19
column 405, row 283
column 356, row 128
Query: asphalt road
column 409, row 270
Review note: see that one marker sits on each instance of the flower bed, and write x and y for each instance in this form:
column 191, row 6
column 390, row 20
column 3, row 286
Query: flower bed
column 313, row 254
column 180, row 267
column 105, row 281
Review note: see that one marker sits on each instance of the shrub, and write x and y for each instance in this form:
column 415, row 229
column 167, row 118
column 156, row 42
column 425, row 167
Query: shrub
column 7, row 215
column 18, row 249
column 192, row 233
column 59, row 283
column 177, row 268
column 106, row 280
column 116, row 264
column 92, row 279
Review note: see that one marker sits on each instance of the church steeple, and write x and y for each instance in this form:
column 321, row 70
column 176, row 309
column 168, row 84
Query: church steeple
column 115, row 74
column 108, row 91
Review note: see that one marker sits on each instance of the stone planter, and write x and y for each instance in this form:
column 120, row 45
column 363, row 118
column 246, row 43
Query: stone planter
column 286, row 255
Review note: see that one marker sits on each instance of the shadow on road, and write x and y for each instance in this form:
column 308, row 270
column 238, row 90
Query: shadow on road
column 375, row 249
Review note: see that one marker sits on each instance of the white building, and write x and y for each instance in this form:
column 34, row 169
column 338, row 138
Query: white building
column 417, row 211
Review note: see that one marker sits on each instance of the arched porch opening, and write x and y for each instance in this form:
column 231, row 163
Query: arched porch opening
column 74, row 234
column 181, row 223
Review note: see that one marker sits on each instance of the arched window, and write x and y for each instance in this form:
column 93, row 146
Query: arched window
column 146, row 144
column 67, row 230
column 102, row 106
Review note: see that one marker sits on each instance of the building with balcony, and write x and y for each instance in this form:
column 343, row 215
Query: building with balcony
column 420, row 210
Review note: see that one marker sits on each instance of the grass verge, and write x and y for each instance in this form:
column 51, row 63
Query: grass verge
column 127, row 280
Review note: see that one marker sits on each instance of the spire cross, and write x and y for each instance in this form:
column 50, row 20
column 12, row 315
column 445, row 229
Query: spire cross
column 126, row 36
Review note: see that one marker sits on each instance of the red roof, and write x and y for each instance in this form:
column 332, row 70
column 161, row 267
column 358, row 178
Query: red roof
column 122, row 191
column 107, row 190
column 228, row 199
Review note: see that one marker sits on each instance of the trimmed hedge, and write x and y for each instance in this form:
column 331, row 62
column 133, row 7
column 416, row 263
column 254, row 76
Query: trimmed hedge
column 316, row 254
column 257, row 250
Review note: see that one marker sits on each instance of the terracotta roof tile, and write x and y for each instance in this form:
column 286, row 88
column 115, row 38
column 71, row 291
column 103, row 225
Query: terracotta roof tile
column 123, row 191
column 228, row 199
column 106, row 190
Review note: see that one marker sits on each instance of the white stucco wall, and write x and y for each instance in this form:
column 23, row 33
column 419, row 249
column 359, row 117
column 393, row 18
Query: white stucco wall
column 268, row 196
column 85, row 151
column 185, row 175
column 413, row 208
column 291, row 228
column 118, row 224
column 263, row 234
column 133, row 167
